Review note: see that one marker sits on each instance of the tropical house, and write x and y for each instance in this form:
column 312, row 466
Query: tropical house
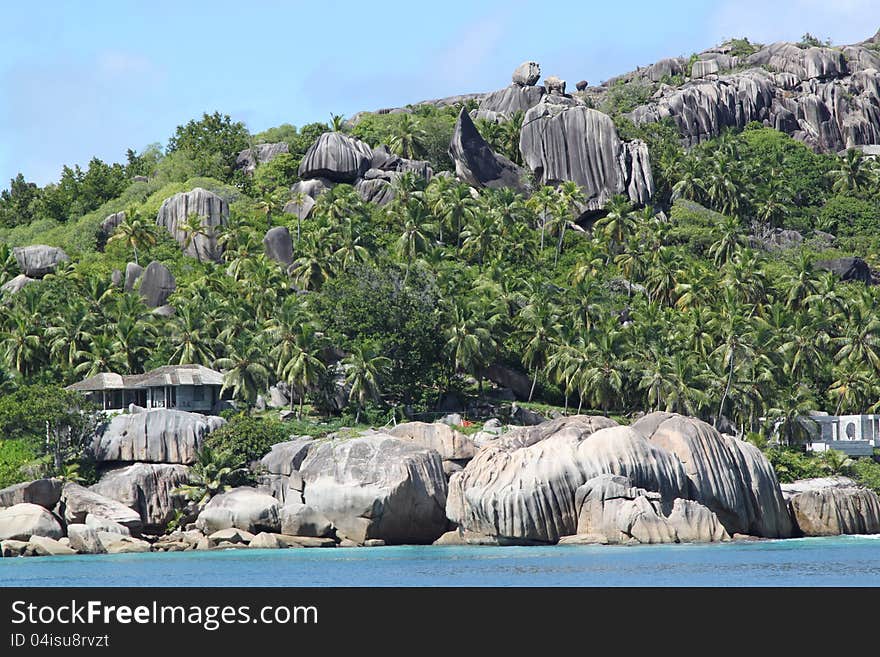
column 854, row 435
column 182, row 387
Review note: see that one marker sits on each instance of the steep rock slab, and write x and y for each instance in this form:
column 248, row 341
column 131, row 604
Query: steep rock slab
column 249, row 158
column 287, row 457
column 337, row 157
column 452, row 445
column 242, row 508
column 212, row 209
column 560, row 142
column 804, row 63
column 376, row 190
column 157, row 284
column 377, row 487
column 154, row 436
column 514, row 98
column 523, row 486
column 729, row 476
column 38, row 260
column 133, row 273
column 45, row 492
column 111, row 223
column 477, row 164
column 278, row 245
column 16, row 284
column 21, row 521
column 78, row 503
column 611, row 508
column 148, row 489
column 830, row 506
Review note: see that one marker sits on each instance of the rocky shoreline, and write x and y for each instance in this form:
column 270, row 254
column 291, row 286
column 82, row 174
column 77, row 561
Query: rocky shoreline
column 574, row 480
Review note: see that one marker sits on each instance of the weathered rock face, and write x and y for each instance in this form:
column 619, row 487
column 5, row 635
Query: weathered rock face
column 376, row 190
column 560, row 142
column 527, row 74
column 337, row 157
column 242, row 508
column 212, row 209
column 84, row 539
column 21, row 521
column 554, row 85
column 610, row 507
column 514, row 98
column 804, row 63
column 249, row 158
column 830, row 506
column 148, row 489
column 45, row 492
column 287, row 457
column 157, row 284
column 476, row 163
column 304, row 520
column 44, row 546
column 133, row 272
column 154, row 436
column 665, row 68
column 302, row 207
column 278, row 245
column 729, row 476
column 16, row 284
column 522, row 486
column 847, row 269
column 704, row 68
column 38, row 260
column 452, row 445
column 377, row 487
column 109, row 225
column 78, row 502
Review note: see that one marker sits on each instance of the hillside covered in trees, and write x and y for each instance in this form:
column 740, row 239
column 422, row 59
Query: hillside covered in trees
column 714, row 262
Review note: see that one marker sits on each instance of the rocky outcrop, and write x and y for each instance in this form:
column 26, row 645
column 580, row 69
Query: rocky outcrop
column 110, row 224
column 731, row 477
column 452, row 445
column 156, row 284
column 509, row 100
column 278, row 245
column 554, row 85
column 212, row 209
column 377, row 487
column 43, row 546
column 45, row 492
column 147, row 488
column 241, row 508
column 38, row 260
column 610, row 507
column 304, row 520
column 337, row 157
column 249, row 158
column 84, row 539
column 133, row 273
column 78, row 503
column 665, row 68
column 287, row 457
column 527, row 74
column 154, row 436
column 524, row 485
column 476, row 163
column 21, row 521
column 16, row 284
column 830, row 506
column 848, row 269
column 562, row 142
column 377, row 190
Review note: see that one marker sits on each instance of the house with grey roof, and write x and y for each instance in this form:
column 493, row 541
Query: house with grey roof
column 183, row 387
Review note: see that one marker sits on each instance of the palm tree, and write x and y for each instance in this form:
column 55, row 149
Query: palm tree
column 543, row 203
column 407, row 137
column 364, row 372
column 190, row 336
column 208, row 477
column 243, row 371
column 853, row 173
column 412, row 241
column 298, row 364
column 453, row 204
column 537, row 321
column 134, row 231
column 337, row 122
column 617, row 224
column 20, row 343
column 193, row 228
column 469, row 340
column 729, row 241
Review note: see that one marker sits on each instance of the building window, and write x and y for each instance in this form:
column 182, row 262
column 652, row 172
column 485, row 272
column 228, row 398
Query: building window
column 198, row 393
column 851, row 430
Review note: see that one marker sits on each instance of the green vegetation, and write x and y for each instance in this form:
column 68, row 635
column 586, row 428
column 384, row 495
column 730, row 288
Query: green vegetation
column 244, row 439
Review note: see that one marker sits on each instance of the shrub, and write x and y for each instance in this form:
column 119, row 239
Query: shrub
column 14, row 454
column 848, row 215
column 867, row 472
column 244, row 439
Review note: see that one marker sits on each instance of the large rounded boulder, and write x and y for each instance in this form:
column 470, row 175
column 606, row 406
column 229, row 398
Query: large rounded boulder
column 829, row 506
column 78, row 503
column 147, row 488
column 21, row 521
column 337, row 157
column 377, row 487
column 244, row 508
column 37, row 260
column 213, row 212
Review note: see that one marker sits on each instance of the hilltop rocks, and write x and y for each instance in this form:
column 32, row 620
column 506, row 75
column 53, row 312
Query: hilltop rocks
column 729, row 476
column 848, row 269
column 157, row 284
column 212, row 209
column 377, row 486
column 242, row 508
column 476, row 163
column 249, row 158
column 527, row 74
column 77, row 503
column 704, row 68
column 16, row 284
column 833, row 505
column 38, row 260
column 148, row 489
column 514, row 98
column 44, row 492
column 278, row 245
column 337, row 157
column 611, row 508
column 22, row 521
column 561, row 142
column 665, row 68
column 803, row 63
column 154, row 436
column 554, row 85
column 528, row 485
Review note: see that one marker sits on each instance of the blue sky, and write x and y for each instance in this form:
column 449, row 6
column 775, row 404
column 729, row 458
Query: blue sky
column 85, row 79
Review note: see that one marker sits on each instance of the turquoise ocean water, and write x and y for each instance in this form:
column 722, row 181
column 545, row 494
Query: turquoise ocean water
column 837, row 561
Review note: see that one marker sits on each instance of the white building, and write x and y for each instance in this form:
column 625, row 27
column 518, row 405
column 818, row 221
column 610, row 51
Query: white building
column 855, row 435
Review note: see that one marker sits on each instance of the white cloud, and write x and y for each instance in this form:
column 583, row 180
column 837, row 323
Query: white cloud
column 843, row 21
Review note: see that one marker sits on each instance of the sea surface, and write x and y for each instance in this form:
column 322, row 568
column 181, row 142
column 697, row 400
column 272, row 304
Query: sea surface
column 836, row 561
